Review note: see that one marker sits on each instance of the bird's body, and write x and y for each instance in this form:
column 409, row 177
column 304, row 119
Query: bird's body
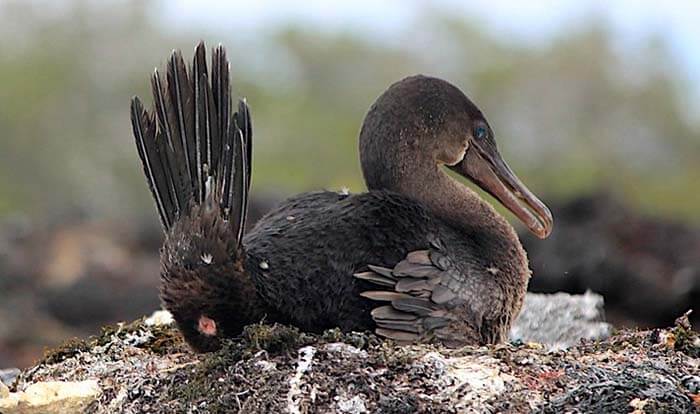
column 419, row 257
column 321, row 239
column 336, row 234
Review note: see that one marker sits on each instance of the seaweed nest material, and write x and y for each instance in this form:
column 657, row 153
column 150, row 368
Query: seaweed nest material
column 145, row 367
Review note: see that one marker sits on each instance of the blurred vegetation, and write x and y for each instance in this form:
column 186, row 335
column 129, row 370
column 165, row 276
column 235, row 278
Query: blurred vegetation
column 571, row 115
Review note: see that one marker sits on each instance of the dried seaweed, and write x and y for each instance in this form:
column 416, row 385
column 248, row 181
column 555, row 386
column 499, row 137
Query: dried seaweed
column 149, row 369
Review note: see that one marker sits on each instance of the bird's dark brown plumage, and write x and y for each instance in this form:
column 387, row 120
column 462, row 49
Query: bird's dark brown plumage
column 419, row 257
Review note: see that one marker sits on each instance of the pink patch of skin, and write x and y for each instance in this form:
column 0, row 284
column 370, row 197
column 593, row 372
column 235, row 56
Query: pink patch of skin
column 207, row 326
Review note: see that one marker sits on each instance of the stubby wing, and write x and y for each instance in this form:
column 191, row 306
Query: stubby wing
column 429, row 297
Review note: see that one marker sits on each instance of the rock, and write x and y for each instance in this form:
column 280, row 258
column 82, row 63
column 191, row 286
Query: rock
column 344, row 349
column 465, row 382
column 8, row 375
column 4, row 391
column 560, row 320
column 354, row 405
column 51, row 397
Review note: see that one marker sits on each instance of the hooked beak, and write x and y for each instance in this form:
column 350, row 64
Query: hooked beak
column 485, row 167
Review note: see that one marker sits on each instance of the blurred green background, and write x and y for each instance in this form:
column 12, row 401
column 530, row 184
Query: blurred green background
column 573, row 109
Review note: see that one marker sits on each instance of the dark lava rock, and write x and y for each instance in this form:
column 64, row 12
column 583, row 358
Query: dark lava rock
column 648, row 269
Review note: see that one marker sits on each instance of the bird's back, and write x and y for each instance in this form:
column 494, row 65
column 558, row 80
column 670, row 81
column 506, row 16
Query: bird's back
column 303, row 254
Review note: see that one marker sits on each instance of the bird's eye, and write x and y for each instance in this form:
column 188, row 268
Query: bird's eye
column 480, row 132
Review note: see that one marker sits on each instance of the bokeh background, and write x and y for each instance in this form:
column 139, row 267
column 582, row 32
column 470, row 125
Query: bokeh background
column 596, row 106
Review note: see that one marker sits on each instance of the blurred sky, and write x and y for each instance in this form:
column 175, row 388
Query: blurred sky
column 627, row 118
column 632, row 21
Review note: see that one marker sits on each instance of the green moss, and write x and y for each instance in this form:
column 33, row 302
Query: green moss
column 165, row 340
column 393, row 356
column 687, row 340
column 333, row 335
column 216, row 379
column 275, row 338
column 162, row 340
column 67, row 349
column 119, row 330
column 203, row 381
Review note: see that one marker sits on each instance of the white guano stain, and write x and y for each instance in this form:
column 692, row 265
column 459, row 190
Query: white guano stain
column 207, row 258
column 306, row 356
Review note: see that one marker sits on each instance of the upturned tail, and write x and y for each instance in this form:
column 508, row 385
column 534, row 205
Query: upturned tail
column 195, row 150
column 196, row 155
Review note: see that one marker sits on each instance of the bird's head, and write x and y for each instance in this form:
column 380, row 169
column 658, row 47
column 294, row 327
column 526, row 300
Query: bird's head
column 422, row 123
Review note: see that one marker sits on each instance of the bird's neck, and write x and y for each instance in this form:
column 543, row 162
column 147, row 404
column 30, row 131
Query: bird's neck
column 393, row 163
column 464, row 210
column 491, row 240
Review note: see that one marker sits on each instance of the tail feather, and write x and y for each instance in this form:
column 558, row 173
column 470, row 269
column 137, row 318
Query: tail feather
column 167, row 136
column 182, row 110
column 156, row 173
column 193, row 149
column 203, row 118
column 233, row 172
column 243, row 120
column 222, row 101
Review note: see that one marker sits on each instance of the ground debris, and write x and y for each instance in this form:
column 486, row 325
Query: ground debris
column 275, row 368
column 50, row 397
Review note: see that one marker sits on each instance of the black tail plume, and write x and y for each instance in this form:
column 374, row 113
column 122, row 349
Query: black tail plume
column 192, row 147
